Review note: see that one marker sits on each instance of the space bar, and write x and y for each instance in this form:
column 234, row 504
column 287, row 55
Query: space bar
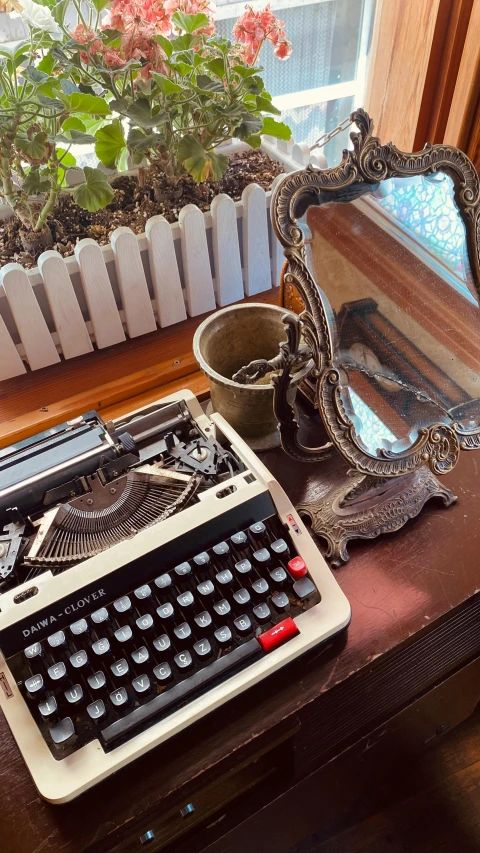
column 183, row 692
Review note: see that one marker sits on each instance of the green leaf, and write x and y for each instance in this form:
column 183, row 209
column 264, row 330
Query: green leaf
column 73, row 123
column 266, row 106
column 59, row 10
column 276, row 128
column 110, row 36
column 110, row 143
column 249, row 126
column 254, row 141
column 167, row 86
column 67, row 158
column 76, row 137
column 255, row 86
column 139, row 142
column 100, row 4
column 13, row 51
column 50, row 88
column 146, row 87
column 182, row 42
column 165, row 44
column 87, row 90
column 47, row 64
column 77, row 102
column 67, row 162
column 119, row 105
column 190, row 23
column 93, row 124
column 182, row 68
column 140, row 113
column 34, row 183
column 59, row 54
column 51, row 103
column 221, row 44
column 243, row 71
column 34, row 75
column 201, row 164
column 206, row 84
column 95, row 193
column 34, row 148
column 217, row 67
column 68, row 88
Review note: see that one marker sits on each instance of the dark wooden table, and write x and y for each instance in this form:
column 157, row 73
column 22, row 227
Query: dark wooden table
column 295, row 752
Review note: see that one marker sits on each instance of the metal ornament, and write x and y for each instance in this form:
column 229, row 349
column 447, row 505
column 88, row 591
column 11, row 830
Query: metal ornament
column 373, row 504
column 365, row 507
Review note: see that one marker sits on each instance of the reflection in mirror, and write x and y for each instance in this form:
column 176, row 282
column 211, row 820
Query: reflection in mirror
column 392, row 262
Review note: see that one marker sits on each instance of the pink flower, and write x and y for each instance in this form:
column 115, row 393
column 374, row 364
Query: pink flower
column 254, row 28
column 113, row 58
column 283, row 49
column 124, row 14
column 84, row 35
column 138, row 21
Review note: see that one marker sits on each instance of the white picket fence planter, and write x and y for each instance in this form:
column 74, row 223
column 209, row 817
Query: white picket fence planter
column 102, row 295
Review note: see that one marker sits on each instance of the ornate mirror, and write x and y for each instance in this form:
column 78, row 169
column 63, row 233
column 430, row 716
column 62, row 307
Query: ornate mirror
column 383, row 269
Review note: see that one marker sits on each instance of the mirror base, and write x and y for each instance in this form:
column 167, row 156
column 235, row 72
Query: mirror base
column 364, row 507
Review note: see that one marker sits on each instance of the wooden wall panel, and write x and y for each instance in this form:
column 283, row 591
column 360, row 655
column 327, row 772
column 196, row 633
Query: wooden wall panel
column 402, row 41
column 463, row 126
column 445, row 56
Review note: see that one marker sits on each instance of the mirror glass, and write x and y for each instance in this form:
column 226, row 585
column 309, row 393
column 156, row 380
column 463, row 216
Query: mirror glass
column 391, row 261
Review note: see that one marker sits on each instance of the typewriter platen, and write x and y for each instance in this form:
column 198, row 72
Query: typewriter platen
column 150, row 570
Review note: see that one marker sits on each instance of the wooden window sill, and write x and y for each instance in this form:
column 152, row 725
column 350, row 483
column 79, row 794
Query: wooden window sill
column 140, row 371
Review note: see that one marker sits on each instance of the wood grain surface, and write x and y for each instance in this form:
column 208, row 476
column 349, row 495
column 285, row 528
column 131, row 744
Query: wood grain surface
column 465, row 98
column 398, row 586
column 402, row 40
column 37, row 399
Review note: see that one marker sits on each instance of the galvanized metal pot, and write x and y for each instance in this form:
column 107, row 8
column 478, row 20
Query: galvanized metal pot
column 225, row 342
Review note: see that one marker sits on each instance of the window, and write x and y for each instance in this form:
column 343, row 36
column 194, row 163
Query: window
column 325, row 77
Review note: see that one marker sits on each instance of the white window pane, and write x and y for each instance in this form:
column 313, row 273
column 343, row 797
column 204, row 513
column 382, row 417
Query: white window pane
column 324, row 79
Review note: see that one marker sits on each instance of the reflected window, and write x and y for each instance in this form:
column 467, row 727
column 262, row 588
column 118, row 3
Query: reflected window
column 426, row 208
column 373, row 431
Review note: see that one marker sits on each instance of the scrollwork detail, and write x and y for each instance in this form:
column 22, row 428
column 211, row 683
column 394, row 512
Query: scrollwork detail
column 437, row 446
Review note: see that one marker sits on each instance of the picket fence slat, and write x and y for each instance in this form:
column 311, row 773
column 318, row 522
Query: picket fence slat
column 256, row 249
column 196, row 261
column 286, row 146
column 226, row 251
column 301, row 153
column 69, row 322
column 179, row 287
column 32, row 328
column 107, row 326
column 318, row 160
column 164, row 269
column 74, row 176
column 10, row 362
column 278, row 257
column 132, row 281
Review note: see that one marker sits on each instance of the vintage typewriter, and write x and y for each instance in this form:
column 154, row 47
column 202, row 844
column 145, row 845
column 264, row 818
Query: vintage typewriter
column 150, row 569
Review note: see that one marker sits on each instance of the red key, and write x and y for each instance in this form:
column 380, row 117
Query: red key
column 297, row 568
column 279, row 634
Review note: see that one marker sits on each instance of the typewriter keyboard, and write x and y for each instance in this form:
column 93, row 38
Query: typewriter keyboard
column 136, row 658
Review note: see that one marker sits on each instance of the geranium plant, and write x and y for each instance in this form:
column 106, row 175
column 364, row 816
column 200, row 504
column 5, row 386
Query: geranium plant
column 145, row 78
column 39, row 123
column 182, row 89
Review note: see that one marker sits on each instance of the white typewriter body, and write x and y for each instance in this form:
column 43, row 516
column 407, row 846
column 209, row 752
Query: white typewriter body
column 60, row 780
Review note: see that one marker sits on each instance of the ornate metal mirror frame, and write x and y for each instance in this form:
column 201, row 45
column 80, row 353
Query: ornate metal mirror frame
column 376, row 501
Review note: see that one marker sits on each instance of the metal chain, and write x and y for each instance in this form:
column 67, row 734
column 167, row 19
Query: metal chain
column 326, row 137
